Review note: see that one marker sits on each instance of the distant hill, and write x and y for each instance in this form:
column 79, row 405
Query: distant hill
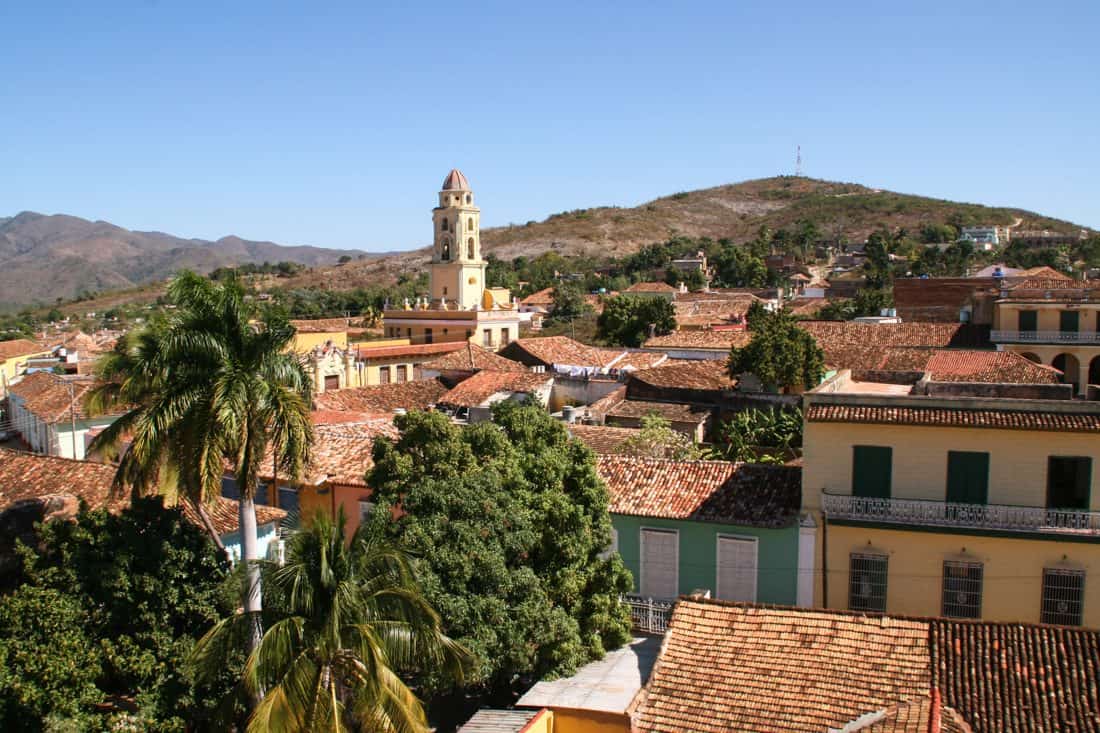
column 43, row 258
column 734, row 211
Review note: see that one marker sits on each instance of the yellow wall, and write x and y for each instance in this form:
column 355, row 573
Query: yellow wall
column 13, row 368
column 1006, row 316
column 304, row 342
column 1013, row 570
column 1017, row 460
column 457, row 331
column 589, row 721
column 543, row 722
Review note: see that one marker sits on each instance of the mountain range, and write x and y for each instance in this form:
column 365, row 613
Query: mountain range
column 43, row 258
column 47, row 257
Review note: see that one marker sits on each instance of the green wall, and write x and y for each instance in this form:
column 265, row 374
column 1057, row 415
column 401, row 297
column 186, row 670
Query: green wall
column 777, row 558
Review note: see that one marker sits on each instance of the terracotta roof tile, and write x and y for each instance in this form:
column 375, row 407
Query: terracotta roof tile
column 29, row 476
column 706, row 491
column 1003, row 367
column 416, row 395
column 912, row 716
column 727, row 667
column 608, row 401
column 322, row 325
column 544, row 297
column 365, row 352
column 479, row 388
column 46, row 396
column 694, row 374
column 20, row 347
column 723, row 340
column 955, row 417
column 558, row 350
column 673, row 411
column 340, row 452
column 472, row 358
column 602, row 438
column 852, row 345
column 650, row 288
column 455, row 181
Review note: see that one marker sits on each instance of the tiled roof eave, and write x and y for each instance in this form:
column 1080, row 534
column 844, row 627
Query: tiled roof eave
column 777, row 523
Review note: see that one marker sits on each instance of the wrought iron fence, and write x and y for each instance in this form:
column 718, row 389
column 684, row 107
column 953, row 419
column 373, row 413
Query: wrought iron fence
column 648, row 615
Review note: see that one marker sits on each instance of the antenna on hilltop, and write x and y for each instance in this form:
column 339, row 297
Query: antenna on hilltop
column 798, row 163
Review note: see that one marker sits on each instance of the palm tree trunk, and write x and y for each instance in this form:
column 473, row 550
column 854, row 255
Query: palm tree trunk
column 250, row 554
column 208, row 524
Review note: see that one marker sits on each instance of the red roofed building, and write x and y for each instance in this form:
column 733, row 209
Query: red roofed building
column 472, row 398
column 47, row 410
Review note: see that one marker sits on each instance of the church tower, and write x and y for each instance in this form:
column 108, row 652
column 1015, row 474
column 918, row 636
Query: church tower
column 457, row 270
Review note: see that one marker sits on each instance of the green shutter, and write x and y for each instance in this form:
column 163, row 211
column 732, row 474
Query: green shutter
column 871, row 470
column 1069, row 321
column 1029, row 320
column 967, row 477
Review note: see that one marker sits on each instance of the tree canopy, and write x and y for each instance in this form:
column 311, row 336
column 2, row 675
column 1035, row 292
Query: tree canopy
column 657, row 439
column 780, row 354
column 510, row 521
column 626, row 319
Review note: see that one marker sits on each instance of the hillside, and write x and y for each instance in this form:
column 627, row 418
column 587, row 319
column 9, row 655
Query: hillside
column 735, row 211
column 43, row 258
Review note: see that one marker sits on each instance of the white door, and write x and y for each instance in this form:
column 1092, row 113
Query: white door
column 736, row 568
column 660, row 563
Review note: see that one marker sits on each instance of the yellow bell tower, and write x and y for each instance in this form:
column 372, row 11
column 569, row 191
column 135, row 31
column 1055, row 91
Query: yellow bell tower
column 457, row 270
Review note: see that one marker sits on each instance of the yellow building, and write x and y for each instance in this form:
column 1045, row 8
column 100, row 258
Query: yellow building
column 1054, row 322
column 942, row 500
column 13, row 361
column 459, row 307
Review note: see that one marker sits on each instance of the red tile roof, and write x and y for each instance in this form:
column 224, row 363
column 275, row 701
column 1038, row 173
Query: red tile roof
column 455, row 181
column 542, row 297
column 926, row 714
column 602, row 438
column 851, row 345
column 707, row 491
column 417, row 395
column 988, row 366
column 726, row 667
column 695, row 374
column 46, row 396
column 672, row 411
column 340, row 452
column 365, row 352
column 558, row 350
column 20, row 347
column 718, row 340
column 29, row 477
column 478, row 389
column 472, row 358
column 955, row 417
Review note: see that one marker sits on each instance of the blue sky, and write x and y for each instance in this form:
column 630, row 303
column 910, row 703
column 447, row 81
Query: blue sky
column 334, row 124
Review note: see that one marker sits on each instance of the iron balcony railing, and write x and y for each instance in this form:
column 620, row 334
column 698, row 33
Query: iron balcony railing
column 1045, row 337
column 949, row 514
column 648, row 615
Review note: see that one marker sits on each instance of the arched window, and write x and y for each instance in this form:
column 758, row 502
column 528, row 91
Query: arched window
column 470, row 248
column 469, row 199
column 445, row 247
column 443, row 225
column 470, row 223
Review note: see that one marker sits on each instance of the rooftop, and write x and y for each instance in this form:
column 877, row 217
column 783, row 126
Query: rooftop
column 472, row 358
column 700, row 374
column 478, row 389
column 340, row 452
column 714, row 340
column 851, row 345
column 20, row 347
column 364, row 351
column 607, row 685
column 47, row 396
column 540, row 297
column 499, row 721
column 321, row 325
column 707, row 491
column 559, row 350
column 1013, row 417
column 602, row 438
column 455, row 181
column 654, row 287
column 672, row 411
column 416, row 395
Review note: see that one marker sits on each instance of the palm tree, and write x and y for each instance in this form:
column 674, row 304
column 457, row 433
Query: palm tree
column 349, row 616
column 211, row 386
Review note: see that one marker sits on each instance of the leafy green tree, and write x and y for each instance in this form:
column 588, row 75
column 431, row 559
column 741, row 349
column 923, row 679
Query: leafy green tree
column 867, row 302
column 345, row 619
column 626, row 319
column 48, row 663
column 55, row 315
column 938, row 233
column 568, row 302
column 780, row 354
column 657, row 439
column 738, row 267
column 510, row 520
column 752, row 434
column 877, row 268
column 210, row 385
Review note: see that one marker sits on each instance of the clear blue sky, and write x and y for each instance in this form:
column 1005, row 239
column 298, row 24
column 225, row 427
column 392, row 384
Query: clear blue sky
column 331, row 125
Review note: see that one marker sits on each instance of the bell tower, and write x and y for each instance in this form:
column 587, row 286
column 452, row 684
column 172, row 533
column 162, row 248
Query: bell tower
column 457, row 270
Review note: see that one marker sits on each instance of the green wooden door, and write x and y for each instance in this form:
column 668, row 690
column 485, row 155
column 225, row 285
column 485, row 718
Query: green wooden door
column 1029, row 320
column 871, row 471
column 1069, row 321
column 967, row 477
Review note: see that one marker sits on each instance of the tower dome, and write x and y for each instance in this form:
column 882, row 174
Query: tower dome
column 455, row 181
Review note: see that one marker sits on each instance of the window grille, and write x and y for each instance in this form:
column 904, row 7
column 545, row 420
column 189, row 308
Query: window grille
column 867, row 582
column 1063, row 596
column 962, row 589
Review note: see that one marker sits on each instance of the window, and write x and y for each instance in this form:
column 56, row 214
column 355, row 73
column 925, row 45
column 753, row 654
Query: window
column 487, row 337
column 445, row 247
column 428, row 335
column 967, row 477
column 443, row 225
column 470, row 223
column 1029, row 320
column 736, row 576
column 444, row 291
column 505, row 337
column 871, row 468
column 1069, row 321
column 1063, row 596
column 384, row 375
column 402, row 373
column 332, row 381
column 1069, row 482
column 470, row 248
column 962, row 589
column 469, row 199
column 365, row 508
column 660, row 563
column 867, row 582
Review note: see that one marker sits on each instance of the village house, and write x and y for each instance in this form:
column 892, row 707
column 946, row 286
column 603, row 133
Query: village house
column 454, row 366
column 743, row 667
column 55, row 487
column 48, row 412
column 652, row 290
column 472, row 398
column 964, row 491
column 14, row 355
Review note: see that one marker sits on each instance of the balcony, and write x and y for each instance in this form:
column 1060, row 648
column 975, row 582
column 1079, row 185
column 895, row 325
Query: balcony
column 1045, row 337
column 970, row 516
